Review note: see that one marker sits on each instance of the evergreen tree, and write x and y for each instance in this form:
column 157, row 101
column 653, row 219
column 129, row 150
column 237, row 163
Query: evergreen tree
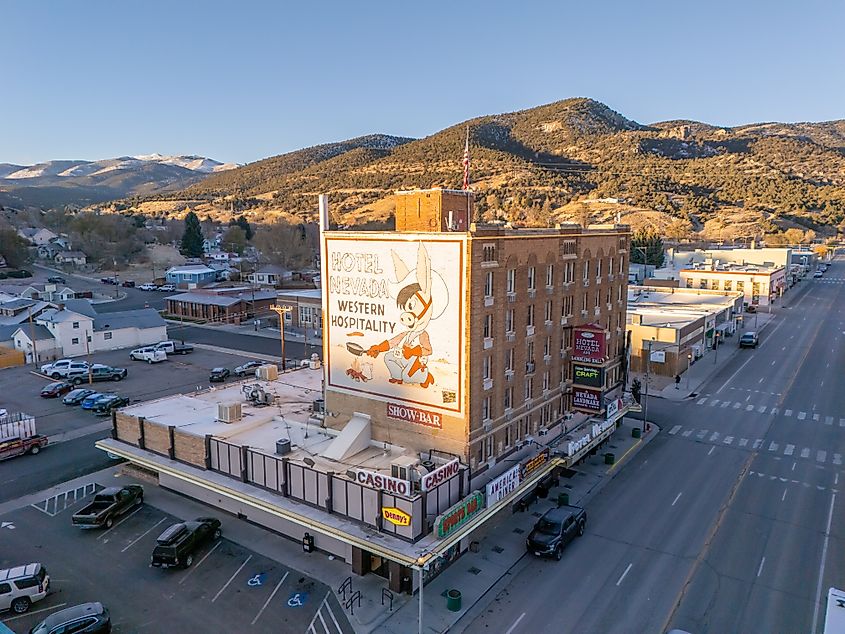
column 242, row 222
column 647, row 248
column 192, row 237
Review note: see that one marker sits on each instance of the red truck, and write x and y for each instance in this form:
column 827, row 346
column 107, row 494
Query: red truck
column 18, row 436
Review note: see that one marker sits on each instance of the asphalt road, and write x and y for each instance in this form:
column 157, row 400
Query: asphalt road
column 721, row 523
column 243, row 342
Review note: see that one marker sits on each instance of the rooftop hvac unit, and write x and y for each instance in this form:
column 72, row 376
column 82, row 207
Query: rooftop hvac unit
column 267, row 372
column 229, row 412
column 403, row 467
column 283, row 446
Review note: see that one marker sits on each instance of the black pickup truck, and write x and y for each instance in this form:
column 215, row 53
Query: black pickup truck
column 107, row 505
column 178, row 543
column 555, row 530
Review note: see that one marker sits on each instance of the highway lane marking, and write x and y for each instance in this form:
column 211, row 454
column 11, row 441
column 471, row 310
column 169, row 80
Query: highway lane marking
column 270, row 598
column 623, row 575
column 760, row 569
column 677, row 497
column 674, row 430
column 226, row 585
column 711, row 450
column 199, row 563
column 521, row 616
column 789, row 450
column 821, row 565
column 142, row 535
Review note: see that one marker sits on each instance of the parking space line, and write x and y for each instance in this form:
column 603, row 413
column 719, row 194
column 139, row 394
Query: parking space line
column 109, row 530
column 226, row 585
column 199, row 563
column 30, row 613
column 334, row 620
column 142, row 535
column 270, row 598
column 325, row 600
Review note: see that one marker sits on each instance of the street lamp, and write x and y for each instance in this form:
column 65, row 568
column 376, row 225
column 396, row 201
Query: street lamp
column 689, row 363
column 281, row 311
column 715, row 346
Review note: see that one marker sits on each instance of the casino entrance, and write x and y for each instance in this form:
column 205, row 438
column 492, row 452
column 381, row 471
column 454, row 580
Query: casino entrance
column 398, row 576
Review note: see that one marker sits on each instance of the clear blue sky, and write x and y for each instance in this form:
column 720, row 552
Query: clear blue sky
column 240, row 81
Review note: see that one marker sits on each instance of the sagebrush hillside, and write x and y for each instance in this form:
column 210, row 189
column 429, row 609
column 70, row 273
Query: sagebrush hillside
column 541, row 165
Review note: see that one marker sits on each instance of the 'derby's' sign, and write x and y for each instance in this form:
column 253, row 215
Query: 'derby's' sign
column 414, row 415
column 440, row 475
column 383, row 482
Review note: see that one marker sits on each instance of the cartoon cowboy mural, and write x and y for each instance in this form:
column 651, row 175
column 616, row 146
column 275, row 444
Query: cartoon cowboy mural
column 408, row 352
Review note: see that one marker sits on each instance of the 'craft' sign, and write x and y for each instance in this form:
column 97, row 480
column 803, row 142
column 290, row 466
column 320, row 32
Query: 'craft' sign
column 459, row 514
column 587, row 375
column 396, row 516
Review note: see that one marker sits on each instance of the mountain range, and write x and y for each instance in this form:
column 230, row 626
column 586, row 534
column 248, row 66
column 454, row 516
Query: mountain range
column 57, row 183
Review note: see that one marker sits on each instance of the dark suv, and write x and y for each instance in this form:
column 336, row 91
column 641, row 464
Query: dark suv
column 176, row 545
column 88, row 618
column 555, row 530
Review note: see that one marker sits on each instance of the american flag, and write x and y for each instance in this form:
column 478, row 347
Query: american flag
column 466, row 162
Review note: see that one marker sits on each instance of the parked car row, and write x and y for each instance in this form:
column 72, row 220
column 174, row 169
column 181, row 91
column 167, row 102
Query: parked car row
column 101, row 403
column 164, row 288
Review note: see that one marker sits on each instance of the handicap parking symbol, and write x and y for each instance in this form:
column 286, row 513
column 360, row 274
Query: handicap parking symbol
column 256, row 580
column 297, row 599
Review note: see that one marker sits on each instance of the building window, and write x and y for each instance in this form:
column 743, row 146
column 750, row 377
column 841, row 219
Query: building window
column 570, row 272
column 488, row 326
column 598, row 267
column 566, row 310
column 509, row 320
column 702, row 283
column 729, row 285
column 714, row 285
column 610, row 266
column 485, row 368
column 511, row 280
column 106, row 336
column 546, row 381
column 550, row 275
column 489, row 446
column 529, row 352
column 530, row 320
column 508, row 436
column 74, row 341
column 584, row 301
column 529, row 389
column 76, row 325
column 740, row 286
column 508, row 398
column 547, row 347
column 488, row 284
column 619, row 293
column 485, row 408
column 621, row 263
column 690, row 282
column 586, row 269
column 548, row 311
column 597, row 299
column 509, row 359
column 305, row 314
column 568, row 247
column 488, row 253
column 531, row 278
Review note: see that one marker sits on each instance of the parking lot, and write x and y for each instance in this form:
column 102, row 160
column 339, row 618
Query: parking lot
column 20, row 386
column 229, row 588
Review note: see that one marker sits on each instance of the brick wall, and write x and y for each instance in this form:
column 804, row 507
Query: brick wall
column 189, row 448
column 156, row 438
column 128, row 428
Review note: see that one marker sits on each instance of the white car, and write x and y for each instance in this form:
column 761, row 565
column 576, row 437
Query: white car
column 147, row 287
column 61, row 368
column 818, row 274
column 22, row 586
column 150, row 354
column 167, row 288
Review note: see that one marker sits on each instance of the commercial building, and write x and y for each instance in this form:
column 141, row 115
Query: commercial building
column 306, row 310
column 671, row 328
column 760, row 284
column 451, row 351
column 229, row 305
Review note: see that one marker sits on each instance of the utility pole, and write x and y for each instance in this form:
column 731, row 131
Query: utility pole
column 715, row 346
column 647, row 371
column 32, row 337
column 281, row 311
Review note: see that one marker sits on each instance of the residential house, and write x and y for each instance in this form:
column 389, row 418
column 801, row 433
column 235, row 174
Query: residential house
column 191, row 275
column 48, row 251
column 128, row 329
column 76, row 258
column 270, row 275
column 38, row 237
column 48, row 292
column 62, row 242
column 221, row 305
column 222, row 256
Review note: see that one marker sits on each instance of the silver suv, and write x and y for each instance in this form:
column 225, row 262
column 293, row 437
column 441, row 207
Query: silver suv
column 22, row 586
column 61, row 368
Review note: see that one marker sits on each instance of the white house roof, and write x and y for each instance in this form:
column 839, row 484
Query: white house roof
column 57, row 316
column 71, row 254
column 141, row 318
column 190, row 268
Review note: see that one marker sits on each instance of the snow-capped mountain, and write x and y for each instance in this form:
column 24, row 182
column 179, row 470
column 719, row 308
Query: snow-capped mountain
column 85, row 182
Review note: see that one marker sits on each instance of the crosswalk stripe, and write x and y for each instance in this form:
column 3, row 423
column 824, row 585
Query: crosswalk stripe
column 728, row 440
column 743, row 442
column 788, row 412
column 773, row 447
column 715, row 436
column 701, row 401
column 842, row 422
column 687, row 433
column 821, row 455
column 837, row 458
column 714, row 402
column 775, row 411
column 805, row 452
column 757, row 443
column 789, row 449
column 748, row 408
column 737, row 405
column 802, row 415
column 762, row 409
column 674, row 430
column 815, row 417
column 725, row 403
column 701, row 434
column 828, row 420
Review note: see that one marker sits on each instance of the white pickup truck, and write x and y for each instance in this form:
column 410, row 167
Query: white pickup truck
column 61, row 368
column 150, row 354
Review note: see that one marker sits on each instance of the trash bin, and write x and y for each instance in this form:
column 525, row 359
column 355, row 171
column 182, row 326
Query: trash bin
column 609, row 458
column 563, row 499
column 636, row 432
column 453, row 600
